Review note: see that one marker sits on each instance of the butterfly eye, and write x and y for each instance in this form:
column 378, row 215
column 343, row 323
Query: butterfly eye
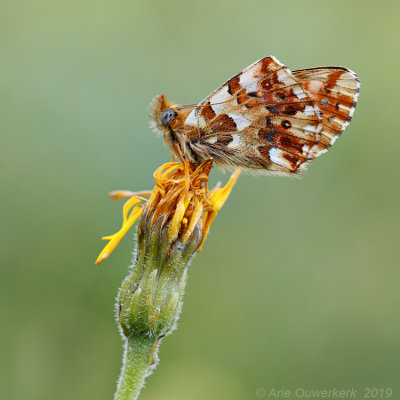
column 167, row 116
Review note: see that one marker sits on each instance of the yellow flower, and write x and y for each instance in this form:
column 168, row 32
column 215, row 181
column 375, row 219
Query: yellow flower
column 180, row 196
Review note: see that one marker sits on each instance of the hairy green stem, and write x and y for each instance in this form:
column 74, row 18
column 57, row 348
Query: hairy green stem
column 139, row 357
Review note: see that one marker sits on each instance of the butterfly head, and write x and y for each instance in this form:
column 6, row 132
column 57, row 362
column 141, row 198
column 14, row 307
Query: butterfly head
column 163, row 113
column 168, row 119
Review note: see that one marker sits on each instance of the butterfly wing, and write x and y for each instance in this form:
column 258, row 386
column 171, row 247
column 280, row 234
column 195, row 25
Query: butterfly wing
column 266, row 121
column 335, row 91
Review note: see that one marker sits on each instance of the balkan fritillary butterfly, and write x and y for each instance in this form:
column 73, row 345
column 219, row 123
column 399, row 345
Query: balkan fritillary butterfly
column 266, row 118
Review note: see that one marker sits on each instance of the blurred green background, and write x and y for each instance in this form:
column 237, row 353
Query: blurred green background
column 298, row 283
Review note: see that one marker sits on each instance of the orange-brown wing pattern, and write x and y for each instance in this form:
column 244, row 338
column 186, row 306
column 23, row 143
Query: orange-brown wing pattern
column 335, row 91
column 269, row 119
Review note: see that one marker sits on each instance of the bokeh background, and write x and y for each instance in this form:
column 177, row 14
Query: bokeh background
column 298, row 283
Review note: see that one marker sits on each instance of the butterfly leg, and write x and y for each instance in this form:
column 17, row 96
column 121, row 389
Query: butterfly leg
column 185, row 165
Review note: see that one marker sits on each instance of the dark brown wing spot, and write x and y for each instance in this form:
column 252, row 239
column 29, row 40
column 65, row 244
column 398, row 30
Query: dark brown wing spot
column 234, row 86
column 270, row 82
column 291, row 109
column 207, row 113
column 264, row 152
column 223, row 123
column 286, row 124
column 290, row 143
column 280, row 95
column 293, row 160
column 268, row 134
column 266, row 64
column 224, row 140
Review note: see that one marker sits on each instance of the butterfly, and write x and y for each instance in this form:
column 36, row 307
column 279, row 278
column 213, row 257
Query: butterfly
column 264, row 119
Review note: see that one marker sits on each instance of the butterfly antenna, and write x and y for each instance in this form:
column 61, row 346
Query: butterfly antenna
column 251, row 94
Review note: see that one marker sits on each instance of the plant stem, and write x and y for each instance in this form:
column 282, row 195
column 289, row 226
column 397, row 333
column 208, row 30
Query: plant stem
column 150, row 300
column 140, row 355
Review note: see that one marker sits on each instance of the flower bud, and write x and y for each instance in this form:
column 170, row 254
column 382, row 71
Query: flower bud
column 150, row 298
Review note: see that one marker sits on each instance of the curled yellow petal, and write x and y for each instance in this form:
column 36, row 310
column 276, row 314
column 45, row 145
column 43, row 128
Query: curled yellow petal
column 116, row 238
column 122, row 194
column 178, row 216
column 217, row 200
column 196, row 215
column 128, row 205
